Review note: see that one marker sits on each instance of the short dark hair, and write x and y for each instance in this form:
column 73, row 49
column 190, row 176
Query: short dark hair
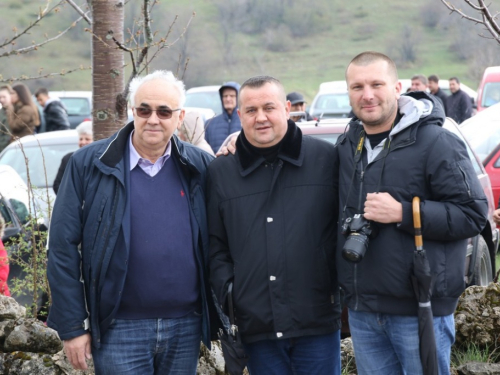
column 369, row 57
column 421, row 78
column 7, row 87
column 259, row 81
column 454, row 79
column 433, row 78
column 43, row 91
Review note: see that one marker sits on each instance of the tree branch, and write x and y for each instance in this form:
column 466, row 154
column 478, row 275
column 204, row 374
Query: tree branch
column 48, row 75
column 80, row 11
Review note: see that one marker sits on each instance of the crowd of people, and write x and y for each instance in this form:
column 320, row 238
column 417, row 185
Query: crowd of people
column 149, row 233
column 20, row 116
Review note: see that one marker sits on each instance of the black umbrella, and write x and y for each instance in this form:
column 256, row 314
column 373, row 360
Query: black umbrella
column 422, row 281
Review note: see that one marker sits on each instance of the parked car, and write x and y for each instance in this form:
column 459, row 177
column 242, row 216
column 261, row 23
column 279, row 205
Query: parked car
column 331, row 101
column 488, row 92
column 204, row 97
column 43, row 153
column 78, row 105
column 483, row 133
column 481, row 250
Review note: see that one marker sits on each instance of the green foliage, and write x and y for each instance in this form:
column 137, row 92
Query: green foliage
column 472, row 352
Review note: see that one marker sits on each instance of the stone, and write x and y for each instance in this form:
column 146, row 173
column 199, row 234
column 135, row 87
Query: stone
column 477, row 317
column 6, row 328
column 31, row 335
column 21, row 363
column 65, row 368
column 10, row 309
column 347, row 359
column 478, row 368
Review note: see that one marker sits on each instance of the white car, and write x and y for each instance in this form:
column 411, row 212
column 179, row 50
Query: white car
column 332, row 101
column 78, row 105
column 204, row 97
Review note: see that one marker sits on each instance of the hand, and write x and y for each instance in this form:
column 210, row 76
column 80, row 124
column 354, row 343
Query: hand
column 383, row 208
column 496, row 216
column 228, row 147
column 78, row 350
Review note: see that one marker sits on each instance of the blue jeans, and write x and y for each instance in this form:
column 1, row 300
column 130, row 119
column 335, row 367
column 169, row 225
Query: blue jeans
column 150, row 346
column 389, row 344
column 301, row 355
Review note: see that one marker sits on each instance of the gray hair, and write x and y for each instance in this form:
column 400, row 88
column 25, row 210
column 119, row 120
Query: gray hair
column 164, row 75
column 421, row 78
column 85, row 128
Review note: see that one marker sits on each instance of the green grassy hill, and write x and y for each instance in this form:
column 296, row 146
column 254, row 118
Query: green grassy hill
column 304, row 45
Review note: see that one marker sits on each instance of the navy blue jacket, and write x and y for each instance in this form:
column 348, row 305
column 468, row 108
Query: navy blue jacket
column 218, row 128
column 90, row 232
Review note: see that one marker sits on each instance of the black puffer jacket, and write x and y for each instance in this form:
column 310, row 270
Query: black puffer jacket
column 272, row 231
column 56, row 117
column 424, row 160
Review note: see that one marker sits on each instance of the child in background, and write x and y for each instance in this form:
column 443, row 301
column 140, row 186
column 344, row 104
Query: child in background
column 4, row 262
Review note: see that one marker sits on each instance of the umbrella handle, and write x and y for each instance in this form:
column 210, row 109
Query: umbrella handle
column 419, row 243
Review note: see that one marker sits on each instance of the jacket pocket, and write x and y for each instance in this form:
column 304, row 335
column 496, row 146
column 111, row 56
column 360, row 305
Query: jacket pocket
column 466, row 179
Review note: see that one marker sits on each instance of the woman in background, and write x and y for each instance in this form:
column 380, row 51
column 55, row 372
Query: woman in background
column 23, row 116
column 192, row 130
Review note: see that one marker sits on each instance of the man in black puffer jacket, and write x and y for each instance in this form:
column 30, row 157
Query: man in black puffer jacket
column 272, row 219
column 394, row 150
column 56, row 117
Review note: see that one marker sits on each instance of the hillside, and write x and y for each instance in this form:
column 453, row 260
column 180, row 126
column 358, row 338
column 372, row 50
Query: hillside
column 302, row 46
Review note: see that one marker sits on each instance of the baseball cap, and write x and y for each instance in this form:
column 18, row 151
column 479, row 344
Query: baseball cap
column 295, row 98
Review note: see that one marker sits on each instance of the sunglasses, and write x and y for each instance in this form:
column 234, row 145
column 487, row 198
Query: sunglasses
column 163, row 113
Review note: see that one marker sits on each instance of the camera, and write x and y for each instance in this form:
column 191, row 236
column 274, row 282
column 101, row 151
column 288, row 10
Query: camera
column 358, row 231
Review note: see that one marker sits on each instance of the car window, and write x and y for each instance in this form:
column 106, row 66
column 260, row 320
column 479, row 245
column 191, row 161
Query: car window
column 4, row 211
column 484, row 141
column 49, row 156
column 333, row 102
column 208, row 99
column 491, row 94
column 77, row 106
column 497, row 163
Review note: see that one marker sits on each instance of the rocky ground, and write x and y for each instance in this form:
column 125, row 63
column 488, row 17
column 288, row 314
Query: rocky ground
column 28, row 347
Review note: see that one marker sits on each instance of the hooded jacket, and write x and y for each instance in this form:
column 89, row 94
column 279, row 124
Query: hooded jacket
column 420, row 159
column 218, row 128
column 56, row 117
column 91, row 221
column 272, row 232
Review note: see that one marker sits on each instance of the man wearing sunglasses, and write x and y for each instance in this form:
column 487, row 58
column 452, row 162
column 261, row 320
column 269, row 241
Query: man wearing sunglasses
column 128, row 243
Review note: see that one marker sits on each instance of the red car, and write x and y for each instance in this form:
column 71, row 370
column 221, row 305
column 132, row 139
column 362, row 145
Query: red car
column 483, row 133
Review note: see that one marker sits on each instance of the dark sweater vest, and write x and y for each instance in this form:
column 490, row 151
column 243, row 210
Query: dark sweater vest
column 162, row 276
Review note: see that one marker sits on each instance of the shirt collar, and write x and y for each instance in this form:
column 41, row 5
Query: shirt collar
column 135, row 157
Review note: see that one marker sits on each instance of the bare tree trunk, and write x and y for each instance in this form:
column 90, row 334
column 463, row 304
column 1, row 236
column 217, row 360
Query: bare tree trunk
column 109, row 107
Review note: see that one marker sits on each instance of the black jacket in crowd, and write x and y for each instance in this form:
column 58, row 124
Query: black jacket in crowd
column 56, row 117
column 423, row 160
column 442, row 95
column 272, row 232
column 459, row 106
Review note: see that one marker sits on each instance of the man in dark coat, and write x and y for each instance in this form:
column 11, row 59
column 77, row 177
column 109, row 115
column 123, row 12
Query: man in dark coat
column 396, row 149
column 56, row 117
column 271, row 209
column 458, row 104
column 218, row 128
column 298, row 103
column 436, row 90
column 129, row 244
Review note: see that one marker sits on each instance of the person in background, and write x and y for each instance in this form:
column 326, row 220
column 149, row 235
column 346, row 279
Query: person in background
column 458, row 104
column 23, row 115
column 419, row 82
column 85, row 136
column 6, row 101
column 436, row 90
column 56, row 117
column 298, row 105
column 218, row 128
column 192, row 130
column 4, row 262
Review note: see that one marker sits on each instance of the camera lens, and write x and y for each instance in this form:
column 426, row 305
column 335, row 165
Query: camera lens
column 355, row 247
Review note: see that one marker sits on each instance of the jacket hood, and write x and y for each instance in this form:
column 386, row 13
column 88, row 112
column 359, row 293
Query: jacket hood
column 230, row 85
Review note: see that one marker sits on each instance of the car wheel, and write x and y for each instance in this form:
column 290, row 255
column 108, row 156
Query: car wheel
column 482, row 270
